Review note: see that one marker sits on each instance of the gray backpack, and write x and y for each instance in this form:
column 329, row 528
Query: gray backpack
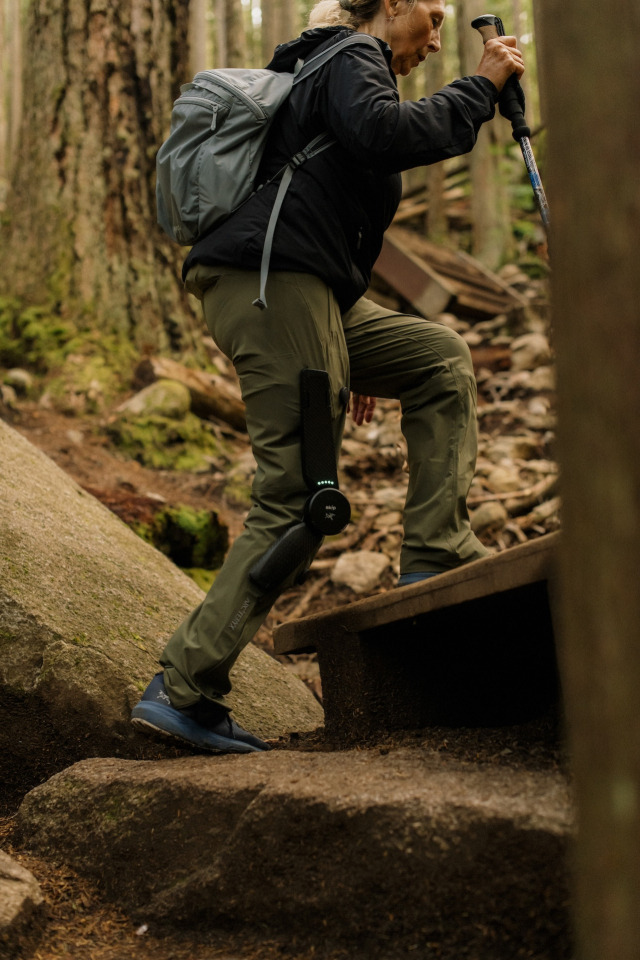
column 207, row 166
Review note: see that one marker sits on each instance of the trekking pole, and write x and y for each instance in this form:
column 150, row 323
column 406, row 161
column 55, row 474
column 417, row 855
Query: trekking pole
column 511, row 103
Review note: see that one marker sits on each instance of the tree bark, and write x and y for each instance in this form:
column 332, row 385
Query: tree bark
column 10, row 83
column 490, row 231
column 81, row 234
column 199, row 56
column 435, row 174
column 279, row 23
column 236, row 41
column 591, row 96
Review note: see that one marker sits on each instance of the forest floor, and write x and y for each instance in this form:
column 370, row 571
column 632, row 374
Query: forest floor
column 79, row 924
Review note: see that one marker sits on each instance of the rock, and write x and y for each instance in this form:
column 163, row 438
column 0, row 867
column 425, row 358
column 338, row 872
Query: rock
column 20, row 380
column 530, row 351
column 360, row 570
column 390, row 497
column 503, row 480
column 20, row 902
column 450, row 320
column 164, row 398
column 8, row 395
column 512, row 448
column 392, row 849
column 473, row 338
column 543, row 379
column 76, row 437
column 490, row 516
column 387, row 434
column 86, row 607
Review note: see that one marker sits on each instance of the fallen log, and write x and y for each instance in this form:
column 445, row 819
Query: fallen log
column 212, row 396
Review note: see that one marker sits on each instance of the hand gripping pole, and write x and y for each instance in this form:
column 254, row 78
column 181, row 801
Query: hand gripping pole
column 511, row 104
column 327, row 510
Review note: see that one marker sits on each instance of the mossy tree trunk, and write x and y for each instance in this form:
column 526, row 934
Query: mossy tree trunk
column 80, row 232
column 591, row 96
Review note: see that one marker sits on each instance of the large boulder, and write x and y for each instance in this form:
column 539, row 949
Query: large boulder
column 85, row 609
column 395, row 851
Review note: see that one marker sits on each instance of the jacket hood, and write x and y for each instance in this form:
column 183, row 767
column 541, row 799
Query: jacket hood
column 287, row 54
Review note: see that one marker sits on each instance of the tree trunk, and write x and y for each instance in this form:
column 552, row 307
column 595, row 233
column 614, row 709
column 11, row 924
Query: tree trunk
column 591, row 96
column 81, row 234
column 436, row 219
column 489, row 215
column 10, row 83
column 279, row 23
column 199, row 56
column 236, row 41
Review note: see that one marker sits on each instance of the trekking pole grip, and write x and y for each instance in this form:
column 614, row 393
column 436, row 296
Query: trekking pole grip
column 511, row 97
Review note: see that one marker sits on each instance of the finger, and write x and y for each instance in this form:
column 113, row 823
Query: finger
column 370, row 408
column 360, row 408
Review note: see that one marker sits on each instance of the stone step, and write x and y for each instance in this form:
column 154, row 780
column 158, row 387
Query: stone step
column 473, row 646
column 393, row 852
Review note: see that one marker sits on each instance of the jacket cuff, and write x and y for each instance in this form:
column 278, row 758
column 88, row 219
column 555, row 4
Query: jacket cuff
column 489, row 87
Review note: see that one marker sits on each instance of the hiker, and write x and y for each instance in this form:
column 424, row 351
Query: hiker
column 328, row 236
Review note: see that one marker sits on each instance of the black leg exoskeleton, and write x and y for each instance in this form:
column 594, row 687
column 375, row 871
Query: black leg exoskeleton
column 327, row 510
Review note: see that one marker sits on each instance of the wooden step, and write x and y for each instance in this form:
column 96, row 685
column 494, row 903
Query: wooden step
column 474, row 646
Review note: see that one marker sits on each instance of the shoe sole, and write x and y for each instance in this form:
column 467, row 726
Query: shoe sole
column 153, row 717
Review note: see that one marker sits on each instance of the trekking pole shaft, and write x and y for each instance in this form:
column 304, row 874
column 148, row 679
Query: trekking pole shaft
column 536, row 183
column 489, row 27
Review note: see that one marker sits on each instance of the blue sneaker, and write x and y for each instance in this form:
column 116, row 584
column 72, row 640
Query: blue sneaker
column 406, row 578
column 216, row 733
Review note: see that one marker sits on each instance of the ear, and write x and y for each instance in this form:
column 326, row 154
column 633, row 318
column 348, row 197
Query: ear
column 396, row 8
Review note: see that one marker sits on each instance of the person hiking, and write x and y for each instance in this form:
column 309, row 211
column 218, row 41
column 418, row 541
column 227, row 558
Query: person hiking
column 327, row 239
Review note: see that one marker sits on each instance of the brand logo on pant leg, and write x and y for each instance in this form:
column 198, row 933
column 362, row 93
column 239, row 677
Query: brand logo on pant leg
column 240, row 614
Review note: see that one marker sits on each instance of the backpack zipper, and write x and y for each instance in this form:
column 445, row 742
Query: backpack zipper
column 207, row 103
column 255, row 109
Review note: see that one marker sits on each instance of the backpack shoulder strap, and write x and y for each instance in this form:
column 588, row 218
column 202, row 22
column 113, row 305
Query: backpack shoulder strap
column 310, row 66
column 317, row 145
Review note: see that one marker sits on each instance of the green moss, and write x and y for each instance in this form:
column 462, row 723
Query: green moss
column 81, row 640
column 93, row 372
column 238, row 492
column 32, row 336
column 196, row 537
column 204, row 578
column 167, row 444
column 191, row 538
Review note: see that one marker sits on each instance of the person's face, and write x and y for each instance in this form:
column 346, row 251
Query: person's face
column 414, row 32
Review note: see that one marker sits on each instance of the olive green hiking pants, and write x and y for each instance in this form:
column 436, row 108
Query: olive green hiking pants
column 372, row 351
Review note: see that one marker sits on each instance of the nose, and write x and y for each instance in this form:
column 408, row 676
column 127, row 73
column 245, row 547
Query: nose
column 434, row 44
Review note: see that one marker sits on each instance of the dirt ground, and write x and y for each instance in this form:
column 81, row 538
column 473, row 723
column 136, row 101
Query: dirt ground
column 77, row 922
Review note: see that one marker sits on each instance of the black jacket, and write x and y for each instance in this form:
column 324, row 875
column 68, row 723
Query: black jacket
column 340, row 203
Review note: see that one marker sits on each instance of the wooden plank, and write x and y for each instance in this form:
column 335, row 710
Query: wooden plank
column 412, row 279
column 524, row 564
column 423, row 273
